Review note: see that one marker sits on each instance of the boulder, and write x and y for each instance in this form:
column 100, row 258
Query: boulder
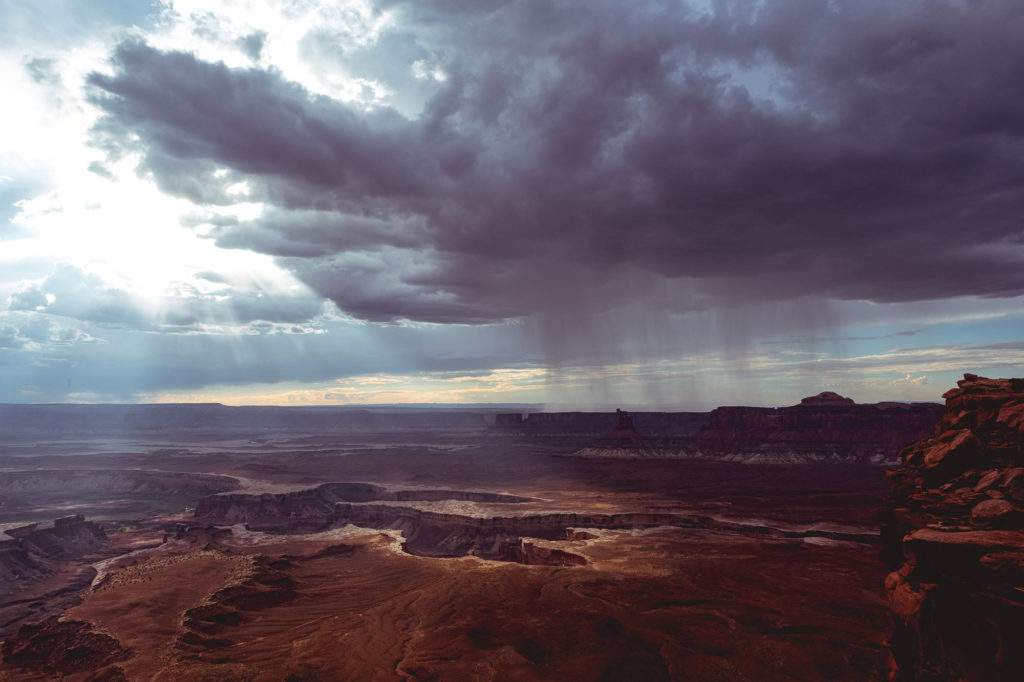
column 951, row 445
column 991, row 512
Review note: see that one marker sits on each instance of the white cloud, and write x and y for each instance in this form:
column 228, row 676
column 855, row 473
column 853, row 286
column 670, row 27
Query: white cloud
column 911, row 379
column 26, row 331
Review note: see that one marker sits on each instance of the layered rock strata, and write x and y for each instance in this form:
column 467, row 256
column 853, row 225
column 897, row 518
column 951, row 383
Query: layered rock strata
column 62, row 648
column 315, row 504
column 582, row 427
column 437, row 534
column 24, row 487
column 41, row 567
column 34, row 550
column 822, row 428
column 954, row 535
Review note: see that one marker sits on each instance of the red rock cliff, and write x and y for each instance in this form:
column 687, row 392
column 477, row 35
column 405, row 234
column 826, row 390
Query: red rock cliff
column 825, row 427
column 954, row 534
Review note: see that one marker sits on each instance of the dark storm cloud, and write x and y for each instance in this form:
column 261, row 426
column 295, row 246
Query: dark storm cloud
column 311, row 233
column 584, row 155
column 256, row 123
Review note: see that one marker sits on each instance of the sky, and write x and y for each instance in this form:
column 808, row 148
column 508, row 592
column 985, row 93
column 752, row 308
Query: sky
column 578, row 204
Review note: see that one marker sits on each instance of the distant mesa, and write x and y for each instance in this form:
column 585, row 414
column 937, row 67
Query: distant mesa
column 827, row 398
column 580, row 428
column 826, row 427
column 511, row 422
column 211, row 419
column 823, row 428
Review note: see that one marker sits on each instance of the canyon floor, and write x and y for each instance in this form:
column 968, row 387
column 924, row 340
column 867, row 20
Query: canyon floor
column 772, row 572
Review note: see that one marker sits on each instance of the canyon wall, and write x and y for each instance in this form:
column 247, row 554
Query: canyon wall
column 585, row 426
column 439, row 534
column 822, row 428
column 954, row 535
column 32, row 551
column 35, row 493
column 829, row 428
column 32, row 483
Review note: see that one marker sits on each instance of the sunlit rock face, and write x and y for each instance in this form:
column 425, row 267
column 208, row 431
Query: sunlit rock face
column 954, row 535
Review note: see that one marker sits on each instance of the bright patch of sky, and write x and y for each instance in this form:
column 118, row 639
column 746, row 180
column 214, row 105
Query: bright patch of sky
column 111, row 291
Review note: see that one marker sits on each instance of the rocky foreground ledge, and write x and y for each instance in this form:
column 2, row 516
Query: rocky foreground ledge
column 954, row 534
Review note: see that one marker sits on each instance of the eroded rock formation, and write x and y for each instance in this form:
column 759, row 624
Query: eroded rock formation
column 954, row 534
column 41, row 567
column 622, row 441
column 316, row 504
column 34, row 550
column 532, row 554
column 438, row 534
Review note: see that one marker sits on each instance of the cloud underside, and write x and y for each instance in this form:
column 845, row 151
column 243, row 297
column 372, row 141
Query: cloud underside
column 869, row 151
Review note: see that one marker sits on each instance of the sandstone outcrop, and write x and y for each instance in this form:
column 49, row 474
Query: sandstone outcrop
column 954, row 535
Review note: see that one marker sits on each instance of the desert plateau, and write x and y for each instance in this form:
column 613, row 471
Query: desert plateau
column 445, row 548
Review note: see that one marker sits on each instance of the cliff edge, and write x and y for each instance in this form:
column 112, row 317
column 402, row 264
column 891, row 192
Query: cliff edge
column 954, row 535
column 822, row 428
column 825, row 428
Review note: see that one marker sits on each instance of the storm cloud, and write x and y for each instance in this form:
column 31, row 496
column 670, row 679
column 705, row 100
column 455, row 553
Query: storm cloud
column 579, row 156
